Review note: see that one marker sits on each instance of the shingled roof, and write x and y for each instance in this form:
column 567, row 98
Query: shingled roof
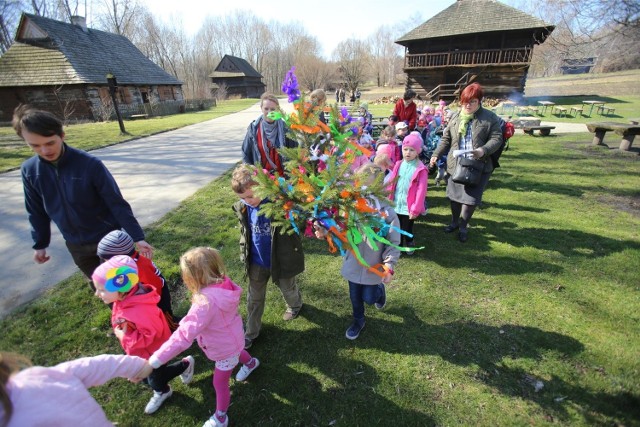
column 59, row 53
column 473, row 16
column 232, row 66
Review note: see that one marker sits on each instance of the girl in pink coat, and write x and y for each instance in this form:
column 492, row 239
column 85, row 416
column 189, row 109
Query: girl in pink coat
column 213, row 320
column 58, row 395
column 410, row 189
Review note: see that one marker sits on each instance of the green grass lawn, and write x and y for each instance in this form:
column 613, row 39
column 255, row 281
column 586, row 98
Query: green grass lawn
column 534, row 321
column 90, row 136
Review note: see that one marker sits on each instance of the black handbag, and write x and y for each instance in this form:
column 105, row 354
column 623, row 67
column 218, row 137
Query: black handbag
column 468, row 171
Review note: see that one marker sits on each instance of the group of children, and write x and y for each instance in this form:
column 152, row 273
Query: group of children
column 142, row 318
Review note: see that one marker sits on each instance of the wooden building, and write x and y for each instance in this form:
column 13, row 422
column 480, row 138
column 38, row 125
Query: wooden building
column 62, row 68
column 472, row 40
column 238, row 78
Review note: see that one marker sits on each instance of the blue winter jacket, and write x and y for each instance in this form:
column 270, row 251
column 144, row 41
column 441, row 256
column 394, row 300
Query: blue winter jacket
column 79, row 195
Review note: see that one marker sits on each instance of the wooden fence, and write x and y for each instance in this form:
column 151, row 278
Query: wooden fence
column 165, row 108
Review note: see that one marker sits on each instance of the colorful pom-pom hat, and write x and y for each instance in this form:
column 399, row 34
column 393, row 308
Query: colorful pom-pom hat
column 121, row 274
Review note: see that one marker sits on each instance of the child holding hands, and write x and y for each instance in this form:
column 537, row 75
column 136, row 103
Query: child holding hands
column 58, row 395
column 213, row 320
column 366, row 286
column 410, row 189
column 138, row 323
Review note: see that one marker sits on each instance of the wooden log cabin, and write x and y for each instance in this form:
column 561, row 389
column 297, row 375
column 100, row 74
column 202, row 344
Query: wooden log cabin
column 472, row 40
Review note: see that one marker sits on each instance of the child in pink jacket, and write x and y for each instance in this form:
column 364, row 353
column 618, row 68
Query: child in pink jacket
column 58, row 395
column 410, row 189
column 213, row 320
column 138, row 323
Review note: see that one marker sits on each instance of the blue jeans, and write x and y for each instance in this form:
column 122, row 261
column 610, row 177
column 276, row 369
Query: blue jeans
column 360, row 294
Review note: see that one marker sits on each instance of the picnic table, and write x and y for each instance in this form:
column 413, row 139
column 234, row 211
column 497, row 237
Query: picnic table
column 507, row 105
column 592, row 103
column 546, row 104
column 628, row 132
column 378, row 124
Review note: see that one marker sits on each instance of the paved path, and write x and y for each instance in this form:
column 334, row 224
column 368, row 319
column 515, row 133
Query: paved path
column 155, row 174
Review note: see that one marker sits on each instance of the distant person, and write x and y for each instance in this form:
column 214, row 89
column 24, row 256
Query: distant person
column 320, row 98
column 267, row 252
column 358, row 94
column 476, row 131
column 405, row 109
column 71, row 188
column 343, row 95
column 58, row 395
column 214, row 322
column 265, row 136
column 337, row 95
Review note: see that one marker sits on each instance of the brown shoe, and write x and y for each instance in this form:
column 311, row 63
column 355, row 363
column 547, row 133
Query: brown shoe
column 290, row 314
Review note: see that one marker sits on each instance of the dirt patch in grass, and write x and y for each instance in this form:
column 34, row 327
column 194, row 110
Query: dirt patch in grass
column 626, row 204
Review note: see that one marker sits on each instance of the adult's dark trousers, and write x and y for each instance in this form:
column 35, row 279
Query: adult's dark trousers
column 85, row 257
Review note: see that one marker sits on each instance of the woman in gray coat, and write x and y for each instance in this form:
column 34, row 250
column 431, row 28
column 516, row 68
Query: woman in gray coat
column 478, row 132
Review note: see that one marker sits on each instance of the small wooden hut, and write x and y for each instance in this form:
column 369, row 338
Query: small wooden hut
column 238, row 77
column 472, row 40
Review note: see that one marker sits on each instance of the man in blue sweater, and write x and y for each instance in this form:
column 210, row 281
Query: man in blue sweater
column 71, row 188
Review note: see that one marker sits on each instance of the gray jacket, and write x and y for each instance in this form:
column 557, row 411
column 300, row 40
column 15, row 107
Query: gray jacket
column 485, row 132
column 353, row 271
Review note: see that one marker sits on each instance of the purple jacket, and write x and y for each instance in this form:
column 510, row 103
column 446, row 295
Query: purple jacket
column 213, row 320
column 58, row 396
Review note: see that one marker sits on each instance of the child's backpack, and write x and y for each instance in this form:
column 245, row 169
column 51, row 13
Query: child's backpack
column 508, row 130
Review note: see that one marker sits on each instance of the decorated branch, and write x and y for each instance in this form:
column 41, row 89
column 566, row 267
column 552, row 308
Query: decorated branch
column 319, row 185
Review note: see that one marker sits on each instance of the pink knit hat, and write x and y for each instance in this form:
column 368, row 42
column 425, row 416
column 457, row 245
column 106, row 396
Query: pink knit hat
column 118, row 274
column 387, row 149
column 413, row 140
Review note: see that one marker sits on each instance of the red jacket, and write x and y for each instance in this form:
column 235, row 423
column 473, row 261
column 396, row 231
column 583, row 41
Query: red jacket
column 148, row 273
column 147, row 328
column 407, row 114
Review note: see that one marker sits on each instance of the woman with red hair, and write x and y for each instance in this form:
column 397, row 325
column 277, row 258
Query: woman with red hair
column 476, row 132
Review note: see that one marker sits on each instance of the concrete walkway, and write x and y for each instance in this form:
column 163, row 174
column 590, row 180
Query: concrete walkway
column 155, row 174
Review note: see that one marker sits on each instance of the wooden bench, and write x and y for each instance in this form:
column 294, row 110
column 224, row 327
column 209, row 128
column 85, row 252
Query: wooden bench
column 544, row 130
column 628, row 133
column 560, row 111
column 138, row 116
column 602, row 110
column 575, row 110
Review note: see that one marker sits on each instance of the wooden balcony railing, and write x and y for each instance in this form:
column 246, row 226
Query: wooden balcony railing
column 468, row 57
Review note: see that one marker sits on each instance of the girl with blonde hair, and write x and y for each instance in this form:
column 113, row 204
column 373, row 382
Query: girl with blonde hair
column 213, row 320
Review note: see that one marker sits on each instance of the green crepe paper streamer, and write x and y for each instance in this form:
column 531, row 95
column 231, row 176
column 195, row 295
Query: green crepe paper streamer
column 400, row 248
column 355, row 235
column 371, row 239
column 356, row 252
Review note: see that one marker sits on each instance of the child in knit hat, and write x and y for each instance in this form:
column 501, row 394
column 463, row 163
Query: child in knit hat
column 410, row 189
column 138, row 323
column 118, row 242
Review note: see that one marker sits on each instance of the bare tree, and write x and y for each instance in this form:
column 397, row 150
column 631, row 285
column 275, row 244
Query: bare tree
column 9, row 17
column 118, row 16
column 353, row 59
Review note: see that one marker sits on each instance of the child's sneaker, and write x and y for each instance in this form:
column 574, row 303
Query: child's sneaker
column 215, row 422
column 187, row 375
column 244, row 371
column 156, row 401
column 382, row 301
column 354, row 330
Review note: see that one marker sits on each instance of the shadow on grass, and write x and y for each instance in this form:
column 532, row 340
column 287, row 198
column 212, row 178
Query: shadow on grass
column 488, row 353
